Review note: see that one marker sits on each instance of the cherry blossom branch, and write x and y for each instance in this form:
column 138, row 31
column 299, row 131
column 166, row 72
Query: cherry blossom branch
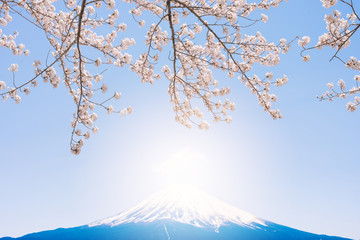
column 195, row 53
column 340, row 32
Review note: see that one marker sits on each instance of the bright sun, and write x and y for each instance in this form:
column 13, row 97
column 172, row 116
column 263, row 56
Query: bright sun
column 184, row 167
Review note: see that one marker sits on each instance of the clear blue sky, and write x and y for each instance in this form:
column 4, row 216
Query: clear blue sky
column 301, row 171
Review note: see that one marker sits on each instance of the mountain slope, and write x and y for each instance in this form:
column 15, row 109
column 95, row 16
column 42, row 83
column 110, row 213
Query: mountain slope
column 184, row 204
column 179, row 213
column 167, row 229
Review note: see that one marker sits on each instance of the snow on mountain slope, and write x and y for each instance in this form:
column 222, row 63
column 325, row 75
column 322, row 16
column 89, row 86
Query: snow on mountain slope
column 184, row 204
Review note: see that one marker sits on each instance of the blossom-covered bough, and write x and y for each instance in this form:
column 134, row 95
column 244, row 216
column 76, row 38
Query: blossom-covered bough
column 340, row 30
column 186, row 43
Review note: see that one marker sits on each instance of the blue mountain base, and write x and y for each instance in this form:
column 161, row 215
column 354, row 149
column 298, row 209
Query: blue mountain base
column 167, row 229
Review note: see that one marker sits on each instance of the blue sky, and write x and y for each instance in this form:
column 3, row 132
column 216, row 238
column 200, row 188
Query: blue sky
column 301, row 171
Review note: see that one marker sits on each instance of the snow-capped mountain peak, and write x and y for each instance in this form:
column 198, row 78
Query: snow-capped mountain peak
column 187, row 205
column 183, row 213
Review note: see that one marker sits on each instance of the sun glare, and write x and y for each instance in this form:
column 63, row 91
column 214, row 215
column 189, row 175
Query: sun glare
column 185, row 167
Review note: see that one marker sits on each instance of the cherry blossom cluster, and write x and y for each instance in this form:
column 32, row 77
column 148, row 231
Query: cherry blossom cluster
column 204, row 36
column 8, row 41
column 199, row 39
column 340, row 30
column 343, row 91
column 71, row 34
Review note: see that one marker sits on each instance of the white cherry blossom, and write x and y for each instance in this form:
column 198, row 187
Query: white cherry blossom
column 340, row 30
column 198, row 38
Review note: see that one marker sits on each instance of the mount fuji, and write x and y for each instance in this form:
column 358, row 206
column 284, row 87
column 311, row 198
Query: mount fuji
column 179, row 213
